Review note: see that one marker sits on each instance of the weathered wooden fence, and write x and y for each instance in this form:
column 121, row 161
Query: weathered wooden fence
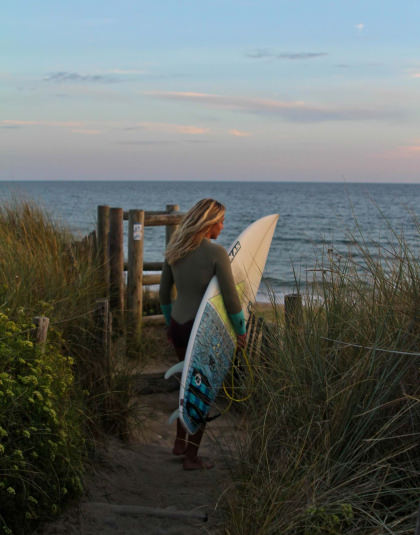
column 126, row 298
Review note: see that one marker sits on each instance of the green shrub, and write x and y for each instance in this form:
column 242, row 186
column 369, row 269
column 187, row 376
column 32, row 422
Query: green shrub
column 41, row 441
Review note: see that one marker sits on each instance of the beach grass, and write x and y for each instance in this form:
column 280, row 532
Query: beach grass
column 333, row 433
column 57, row 402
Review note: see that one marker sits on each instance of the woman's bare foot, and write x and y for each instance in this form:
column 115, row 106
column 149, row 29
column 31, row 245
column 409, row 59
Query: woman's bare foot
column 179, row 447
column 197, row 463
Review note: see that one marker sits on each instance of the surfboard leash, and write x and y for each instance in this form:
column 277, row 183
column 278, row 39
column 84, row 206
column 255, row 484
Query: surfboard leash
column 235, row 367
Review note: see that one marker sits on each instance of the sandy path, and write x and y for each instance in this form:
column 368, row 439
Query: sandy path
column 145, row 474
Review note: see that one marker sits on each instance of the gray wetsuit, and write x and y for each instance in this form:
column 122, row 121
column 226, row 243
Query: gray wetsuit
column 191, row 276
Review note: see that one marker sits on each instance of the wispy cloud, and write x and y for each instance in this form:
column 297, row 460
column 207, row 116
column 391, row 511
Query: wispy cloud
column 360, row 27
column 128, row 72
column 405, row 151
column 110, row 76
column 147, row 142
column 75, row 127
column 59, row 124
column 415, row 75
column 174, row 128
column 86, row 132
column 74, row 77
column 239, row 133
column 411, row 149
column 264, row 53
column 297, row 111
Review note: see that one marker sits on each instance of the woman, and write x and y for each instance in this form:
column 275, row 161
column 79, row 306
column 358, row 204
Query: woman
column 191, row 260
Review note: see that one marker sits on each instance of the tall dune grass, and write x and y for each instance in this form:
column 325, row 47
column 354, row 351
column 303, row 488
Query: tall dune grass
column 41, row 265
column 45, row 270
column 334, row 424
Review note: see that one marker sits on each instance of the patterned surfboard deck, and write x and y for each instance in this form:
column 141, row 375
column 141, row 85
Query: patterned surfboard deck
column 213, row 350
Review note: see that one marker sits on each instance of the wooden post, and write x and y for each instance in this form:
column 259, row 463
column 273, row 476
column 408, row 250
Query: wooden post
column 293, row 311
column 103, row 243
column 88, row 248
column 102, row 327
column 135, row 273
column 41, row 331
column 266, row 340
column 170, row 229
column 116, row 272
column 102, row 371
column 258, row 337
column 101, row 367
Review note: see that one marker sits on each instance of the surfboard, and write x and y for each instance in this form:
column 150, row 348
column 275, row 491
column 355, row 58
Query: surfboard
column 212, row 341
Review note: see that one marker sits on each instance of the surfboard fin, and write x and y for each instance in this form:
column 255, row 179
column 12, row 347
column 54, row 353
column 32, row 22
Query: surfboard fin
column 173, row 416
column 177, row 368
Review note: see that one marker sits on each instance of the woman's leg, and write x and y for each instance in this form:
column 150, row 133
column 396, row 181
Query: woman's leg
column 192, row 461
column 180, row 440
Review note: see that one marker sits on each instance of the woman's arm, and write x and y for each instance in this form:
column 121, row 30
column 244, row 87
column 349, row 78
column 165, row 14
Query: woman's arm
column 229, row 293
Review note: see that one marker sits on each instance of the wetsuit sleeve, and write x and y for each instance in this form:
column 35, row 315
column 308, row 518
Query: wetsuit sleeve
column 230, row 295
column 238, row 322
column 166, row 283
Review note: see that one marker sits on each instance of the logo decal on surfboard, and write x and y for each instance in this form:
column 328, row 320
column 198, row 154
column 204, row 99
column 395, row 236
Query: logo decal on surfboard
column 235, row 250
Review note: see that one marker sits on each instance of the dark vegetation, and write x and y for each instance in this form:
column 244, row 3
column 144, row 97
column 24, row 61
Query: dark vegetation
column 334, row 423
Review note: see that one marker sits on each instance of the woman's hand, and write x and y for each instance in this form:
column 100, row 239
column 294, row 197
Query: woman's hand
column 241, row 341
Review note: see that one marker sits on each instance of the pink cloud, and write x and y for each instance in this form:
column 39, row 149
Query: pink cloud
column 175, row 128
column 60, row 124
column 294, row 111
column 405, row 151
column 239, row 133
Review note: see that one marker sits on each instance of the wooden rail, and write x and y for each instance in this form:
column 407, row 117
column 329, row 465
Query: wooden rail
column 160, row 219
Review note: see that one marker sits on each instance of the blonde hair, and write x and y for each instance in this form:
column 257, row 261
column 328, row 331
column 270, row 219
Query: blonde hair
column 194, row 227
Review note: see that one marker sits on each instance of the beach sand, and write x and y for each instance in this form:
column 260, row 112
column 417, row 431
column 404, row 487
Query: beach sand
column 145, row 474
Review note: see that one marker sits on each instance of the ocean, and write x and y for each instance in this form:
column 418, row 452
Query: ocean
column 314, row 217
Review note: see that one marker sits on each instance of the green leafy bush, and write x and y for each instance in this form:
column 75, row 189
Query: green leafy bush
column 41, row 442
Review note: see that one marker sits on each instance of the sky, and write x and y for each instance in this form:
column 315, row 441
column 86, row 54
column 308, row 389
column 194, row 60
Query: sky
column 264, row 90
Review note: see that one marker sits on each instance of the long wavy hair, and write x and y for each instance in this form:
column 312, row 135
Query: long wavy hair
column 194, row 227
